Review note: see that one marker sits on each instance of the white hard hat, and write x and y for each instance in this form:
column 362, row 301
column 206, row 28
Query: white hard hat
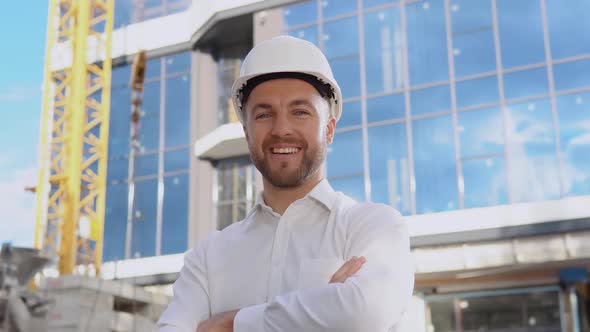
column 286, row 54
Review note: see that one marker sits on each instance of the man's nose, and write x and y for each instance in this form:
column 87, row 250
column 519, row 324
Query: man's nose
column 282, row 126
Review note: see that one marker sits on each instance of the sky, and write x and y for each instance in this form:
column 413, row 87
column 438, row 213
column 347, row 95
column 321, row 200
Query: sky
column 22, row 32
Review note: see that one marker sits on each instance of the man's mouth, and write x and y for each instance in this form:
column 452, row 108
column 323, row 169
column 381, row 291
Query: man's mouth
column 291, row 150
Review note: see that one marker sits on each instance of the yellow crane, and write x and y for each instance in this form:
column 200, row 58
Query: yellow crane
column 74, row 134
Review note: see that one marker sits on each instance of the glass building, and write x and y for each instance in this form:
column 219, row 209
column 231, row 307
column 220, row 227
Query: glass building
column 471, row 117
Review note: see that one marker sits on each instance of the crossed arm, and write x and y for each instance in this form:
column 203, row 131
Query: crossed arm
column 371, row 298
column 224, row 322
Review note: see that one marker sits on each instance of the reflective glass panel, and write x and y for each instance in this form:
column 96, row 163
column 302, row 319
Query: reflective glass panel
column 143, row 241
column 568, row 27
column 473, row 37
column 302, row 13
column 526, row 83
column 175, row 214
column 388, row 162
column 180, row 62
column 347, row 72
column 177, row 111
column 176, row 160
column 332, row 8
column 477, row 92
column 430, row 100
column 533, row 174
column 374, row 3
column 572, row 75
column 117, row 169
column 436, row 187
column 341, row 38
column 308, row 33
column 146, row 165
column 386, row 108
column 485, row 182
column 115, row 222
column 352, row 186
column 345, row 155
column 574, row 132
column 384, row 51
column 427, row 42
column 521, row 32
column 481, row 132
column 351, row 115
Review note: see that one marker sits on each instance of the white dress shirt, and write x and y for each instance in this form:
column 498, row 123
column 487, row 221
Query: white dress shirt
column 276, row 269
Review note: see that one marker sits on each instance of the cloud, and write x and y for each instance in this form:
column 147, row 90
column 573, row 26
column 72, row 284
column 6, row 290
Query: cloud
column 18, row 92
column 17, row 207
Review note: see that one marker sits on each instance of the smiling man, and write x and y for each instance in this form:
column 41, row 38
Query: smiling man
column 305, row 258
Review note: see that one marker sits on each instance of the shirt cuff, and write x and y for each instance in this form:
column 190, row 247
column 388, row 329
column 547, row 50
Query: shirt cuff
column 250, row 319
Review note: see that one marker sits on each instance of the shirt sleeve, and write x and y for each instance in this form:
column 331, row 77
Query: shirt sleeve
column 190, row 304
column 374, row 299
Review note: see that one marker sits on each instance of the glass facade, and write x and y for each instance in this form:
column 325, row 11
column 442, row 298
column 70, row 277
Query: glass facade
column 452, row 104
column 157, row 189
column 526, row 310
column 134, row 11
column 235, row 190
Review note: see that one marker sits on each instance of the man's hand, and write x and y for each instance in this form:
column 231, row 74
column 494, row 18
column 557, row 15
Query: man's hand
column 348, row 269
column 221, row 322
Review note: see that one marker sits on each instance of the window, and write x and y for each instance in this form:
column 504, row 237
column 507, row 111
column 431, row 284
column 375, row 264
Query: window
column 235, row 191
column 345, row 155
column 145, row 165
column 341, row 46
column 351, row 115
column 572, row 75
column 389, row 166
column 332, row 8
column 115, row 222
column 427, row 42
column 384, row 51
column 178, row 63
column 430, row 100
column 143, row 241
column 308, row 33
column 481, row 132
column 386, row 108
column 473, row 37
column 374, row 3
column 480, row 91
column 526, row 83
column 533, row 167
column 117, row 169
column 306, row 12
column 520, row 27
column 175, row 214
column 568, row 28
column 149, row 131
column 120, row 122
column 574, row 128
column 485, row 182
column 436, row 187
column 176, row 160
column 347, row 72
column 177, row 111
column 353, row 186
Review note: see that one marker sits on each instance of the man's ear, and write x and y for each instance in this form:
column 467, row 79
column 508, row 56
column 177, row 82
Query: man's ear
column 246, row 134
column 331, row 127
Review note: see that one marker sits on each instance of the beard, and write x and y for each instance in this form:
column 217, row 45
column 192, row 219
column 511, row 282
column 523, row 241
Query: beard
column 282, row 175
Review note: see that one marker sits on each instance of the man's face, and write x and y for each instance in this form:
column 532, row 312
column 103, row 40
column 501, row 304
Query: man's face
column 288, row 128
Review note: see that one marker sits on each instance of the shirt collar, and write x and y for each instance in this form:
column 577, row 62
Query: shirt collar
column 322, row 192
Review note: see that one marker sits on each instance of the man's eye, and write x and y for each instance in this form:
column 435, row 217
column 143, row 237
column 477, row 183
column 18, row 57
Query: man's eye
column 301, row 113
column 262, row 116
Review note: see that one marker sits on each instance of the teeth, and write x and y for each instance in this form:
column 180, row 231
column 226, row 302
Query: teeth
column 285, row 150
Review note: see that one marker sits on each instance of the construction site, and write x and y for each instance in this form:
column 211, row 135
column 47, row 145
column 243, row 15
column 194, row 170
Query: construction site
column 470, row 117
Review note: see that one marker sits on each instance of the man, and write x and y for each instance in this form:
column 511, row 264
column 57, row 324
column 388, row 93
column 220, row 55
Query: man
column 305, row 258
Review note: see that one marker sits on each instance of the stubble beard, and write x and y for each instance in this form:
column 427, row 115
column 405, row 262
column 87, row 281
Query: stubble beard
column 280, row 177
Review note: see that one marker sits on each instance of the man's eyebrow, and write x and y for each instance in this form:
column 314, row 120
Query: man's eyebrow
column 300, row 102
column 263, row 106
